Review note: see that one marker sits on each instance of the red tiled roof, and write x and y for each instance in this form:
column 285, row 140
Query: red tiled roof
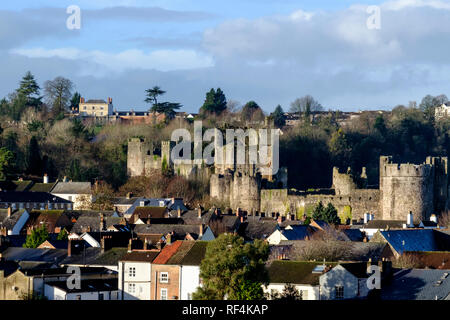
column 167, row 252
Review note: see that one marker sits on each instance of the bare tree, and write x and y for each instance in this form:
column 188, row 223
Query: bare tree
column 58, row 93
column 306, row 104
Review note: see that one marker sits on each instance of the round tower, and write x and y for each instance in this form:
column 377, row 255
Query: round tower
column 406, row 188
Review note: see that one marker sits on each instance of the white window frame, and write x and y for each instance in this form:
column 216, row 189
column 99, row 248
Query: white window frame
column 164, row 277
column 339, row 292
column 132, row 272
column 132, row 288
column 165, row 295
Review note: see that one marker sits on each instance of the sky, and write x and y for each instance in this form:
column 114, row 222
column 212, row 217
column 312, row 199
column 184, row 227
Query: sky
column 271, row 52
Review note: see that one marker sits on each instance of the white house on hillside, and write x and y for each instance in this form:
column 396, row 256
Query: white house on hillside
column 79, row 193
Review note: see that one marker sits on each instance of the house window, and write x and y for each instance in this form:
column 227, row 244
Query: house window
column 339, row 292
column 131, row 287
column 164, row 277
column 163, row 294
column 132, row 271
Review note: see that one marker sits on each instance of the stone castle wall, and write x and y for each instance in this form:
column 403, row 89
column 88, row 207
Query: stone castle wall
column 360, row 201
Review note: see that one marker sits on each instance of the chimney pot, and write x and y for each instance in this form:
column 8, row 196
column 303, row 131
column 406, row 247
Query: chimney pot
column 199, row 211
column 9, row 211
column 201, row 230
column 179, row 212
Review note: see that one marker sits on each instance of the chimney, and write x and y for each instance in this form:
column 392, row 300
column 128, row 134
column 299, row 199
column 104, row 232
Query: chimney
column 130, row 242
column 65, row 179
column 145, row 244
column 81, row 100
column 129, row 194
column 366, row 217
column 102, row 222
column 433, row 218
column 238, row 212
column 69, row 248
column 102, row 244
column 45, row 178
column 169, row 238
column 179, row 212
column 409, row 220
column 200, row 234
column 280, row 219
column 9, row 211
column 263, row 214
column 199, row 211
column 242, row 219
column 288, row 217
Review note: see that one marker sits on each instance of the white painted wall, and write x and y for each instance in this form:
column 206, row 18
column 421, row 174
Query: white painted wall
column 309, row 292
column 275, row 238
column 338, row 276
column 77, row 199
column 141, row 280
column 190, row 281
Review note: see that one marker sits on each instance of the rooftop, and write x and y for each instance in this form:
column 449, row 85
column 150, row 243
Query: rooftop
column 27, row 196
column 88, row 285
column 72, row 188
column 295, row 272
column 418, row 284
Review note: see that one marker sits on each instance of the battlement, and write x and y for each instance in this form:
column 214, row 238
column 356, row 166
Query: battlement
column 407, row 170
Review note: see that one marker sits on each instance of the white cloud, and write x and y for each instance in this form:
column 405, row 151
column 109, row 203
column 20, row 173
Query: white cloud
column 402, row 4
column 162, row 60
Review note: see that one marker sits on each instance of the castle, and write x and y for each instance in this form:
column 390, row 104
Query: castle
column 418, row 188
column 142, row 158
column 422, row 189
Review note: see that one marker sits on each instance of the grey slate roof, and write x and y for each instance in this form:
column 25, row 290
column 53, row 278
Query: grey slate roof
column 88, row 285
column 35, row 255
column 72, row 188
column 298, row 232
column 27, row 196
column 257, row 229
column 357, row 251
column 9, row 222
column 417, row 284
column 411, row 240
column 91, row 219
column 384, row 224
column 96, row 101
column 191, row 217
column 180, row 230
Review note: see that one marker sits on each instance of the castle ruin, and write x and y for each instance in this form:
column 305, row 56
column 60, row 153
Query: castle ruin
column 403, row 187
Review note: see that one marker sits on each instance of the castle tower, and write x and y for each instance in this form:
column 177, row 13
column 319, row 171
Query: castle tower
column 166, row 148
column 406, row 188
column 138, row 150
